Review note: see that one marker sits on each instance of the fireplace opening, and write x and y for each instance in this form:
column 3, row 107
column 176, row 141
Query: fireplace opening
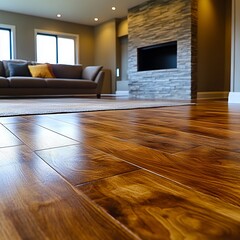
column 155, row 57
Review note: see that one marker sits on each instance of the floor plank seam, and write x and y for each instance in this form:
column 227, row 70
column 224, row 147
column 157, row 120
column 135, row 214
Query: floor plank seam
column 100, row 179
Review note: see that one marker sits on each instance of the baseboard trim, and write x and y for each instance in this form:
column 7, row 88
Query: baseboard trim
column 234, row 97
column 212, row 95
column 122, row 92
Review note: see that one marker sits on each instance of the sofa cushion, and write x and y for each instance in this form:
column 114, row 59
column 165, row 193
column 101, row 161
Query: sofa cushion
column 18, row 69
column 70, row 83
column 6, row 62
column 67, row 71
column 2, row 70
column 91, row 72
column 4, row 83
column 27, row 82
column 40, row 71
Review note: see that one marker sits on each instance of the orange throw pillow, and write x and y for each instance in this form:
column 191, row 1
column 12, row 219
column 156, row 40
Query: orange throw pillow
column 41, row 71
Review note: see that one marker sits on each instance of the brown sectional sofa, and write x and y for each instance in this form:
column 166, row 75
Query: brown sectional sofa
column 17, row 80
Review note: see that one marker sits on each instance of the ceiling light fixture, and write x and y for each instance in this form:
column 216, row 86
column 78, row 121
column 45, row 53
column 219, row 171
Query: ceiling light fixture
column 59, row 15
column 113, row 8
column 96, row 19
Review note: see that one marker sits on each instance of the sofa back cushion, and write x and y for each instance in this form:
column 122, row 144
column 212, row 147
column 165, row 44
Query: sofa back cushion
column 18, row 69
column 6, row 62
column 2, row 70
column 91, row 72
column 67, row 71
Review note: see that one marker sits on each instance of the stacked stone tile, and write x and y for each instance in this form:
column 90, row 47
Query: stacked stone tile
column 161, row 21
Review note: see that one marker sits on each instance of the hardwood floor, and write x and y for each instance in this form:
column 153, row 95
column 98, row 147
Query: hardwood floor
column 157, row 173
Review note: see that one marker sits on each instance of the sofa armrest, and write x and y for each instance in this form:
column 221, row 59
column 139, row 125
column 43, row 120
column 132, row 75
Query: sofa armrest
column 91, row 72
column 99, row 80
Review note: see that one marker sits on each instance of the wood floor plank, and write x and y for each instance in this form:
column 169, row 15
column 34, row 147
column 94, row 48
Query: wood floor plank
column 176, row 132
column 219, row 169
column 17, row 119
column 156, row 208
column 152, row 139
column 163, row 144
column 200, row 122
column 73, row 131
column 185, row 170
column 36, row 203
column 141, row 134
column 163, row 173
column 37, row 137
column 7, row 139
column 73, row 118
column 80, row 163
column 172, row 133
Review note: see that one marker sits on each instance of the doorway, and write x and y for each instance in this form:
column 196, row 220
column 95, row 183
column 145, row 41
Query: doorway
column 122, row 81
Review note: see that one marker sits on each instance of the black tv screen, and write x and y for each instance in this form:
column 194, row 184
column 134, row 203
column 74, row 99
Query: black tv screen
column 155, row 57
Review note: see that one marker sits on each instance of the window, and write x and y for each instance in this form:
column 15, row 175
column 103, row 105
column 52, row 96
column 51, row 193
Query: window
column 56, row 48
column 6, row 42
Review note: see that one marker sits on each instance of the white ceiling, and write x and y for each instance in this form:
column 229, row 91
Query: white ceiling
column 77, row 11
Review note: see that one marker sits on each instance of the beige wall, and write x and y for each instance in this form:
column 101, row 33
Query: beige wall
column 105, row 48
column 214, row 45
column 25, row 42
column 122, row 29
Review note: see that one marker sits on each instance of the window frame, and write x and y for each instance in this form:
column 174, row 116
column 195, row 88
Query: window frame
column 12, row 31
column 75, row 37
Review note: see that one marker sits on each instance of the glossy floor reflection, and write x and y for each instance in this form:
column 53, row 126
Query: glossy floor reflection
column 157, row 173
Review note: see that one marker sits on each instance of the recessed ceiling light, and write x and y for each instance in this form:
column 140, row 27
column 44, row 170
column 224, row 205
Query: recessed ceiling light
column 59, row 15
column 113, row 8
column 96, row 19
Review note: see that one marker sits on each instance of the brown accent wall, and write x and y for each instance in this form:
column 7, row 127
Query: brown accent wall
column 235, row 77
column 25, row 42
column 228, row 44
column 214, row 45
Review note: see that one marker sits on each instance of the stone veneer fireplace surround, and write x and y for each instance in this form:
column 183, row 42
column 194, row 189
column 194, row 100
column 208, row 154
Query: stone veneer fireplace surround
column 161, row 21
